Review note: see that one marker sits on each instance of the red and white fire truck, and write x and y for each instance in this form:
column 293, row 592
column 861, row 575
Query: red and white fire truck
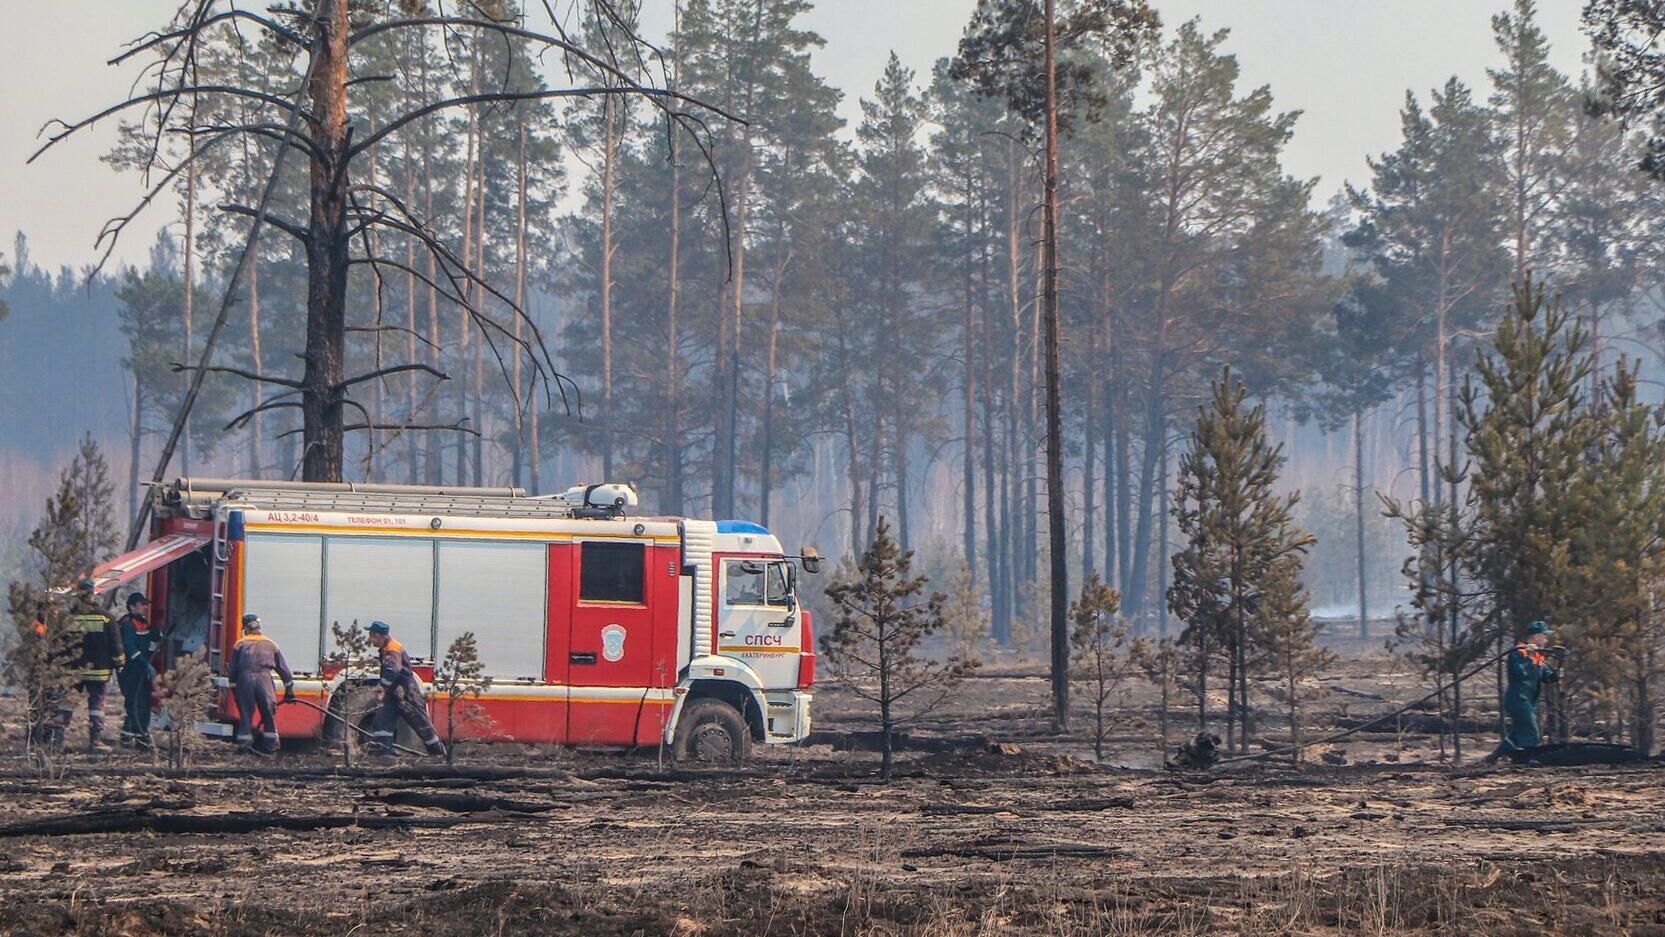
column 596, row 627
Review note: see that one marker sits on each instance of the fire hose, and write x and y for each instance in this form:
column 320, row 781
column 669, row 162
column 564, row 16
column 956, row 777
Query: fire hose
column 344, row 721
column 1291, row 749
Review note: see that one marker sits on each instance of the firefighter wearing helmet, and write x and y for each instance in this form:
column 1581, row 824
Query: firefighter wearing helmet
column 1528, row 671
column 401, row 695
column 253, row 659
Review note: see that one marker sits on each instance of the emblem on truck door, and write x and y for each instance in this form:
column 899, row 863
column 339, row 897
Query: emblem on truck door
column 612, row 643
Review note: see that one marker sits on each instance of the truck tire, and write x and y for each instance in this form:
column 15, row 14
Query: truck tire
column 358, row 705
column 711, row 732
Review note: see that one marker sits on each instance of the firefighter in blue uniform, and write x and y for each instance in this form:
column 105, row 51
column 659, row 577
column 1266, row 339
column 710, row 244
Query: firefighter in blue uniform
column 137, row 674
column 253, row 659
column 401, row 695
column 1528, row 671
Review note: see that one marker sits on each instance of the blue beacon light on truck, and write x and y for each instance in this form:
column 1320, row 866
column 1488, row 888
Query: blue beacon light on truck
column 741, row 527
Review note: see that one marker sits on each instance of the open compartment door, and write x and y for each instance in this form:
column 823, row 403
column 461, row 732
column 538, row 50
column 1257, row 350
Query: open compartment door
column 154, row 555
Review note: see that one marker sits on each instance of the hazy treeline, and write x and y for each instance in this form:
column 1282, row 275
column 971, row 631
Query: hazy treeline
column 789, row 316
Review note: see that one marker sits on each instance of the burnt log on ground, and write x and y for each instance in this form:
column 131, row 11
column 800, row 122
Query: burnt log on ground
column 1089, row 804
column 1004, row 853
column 872, row 741
column 1574, row 754
column 144, row 821
column 462, row 803
column 1418, row 723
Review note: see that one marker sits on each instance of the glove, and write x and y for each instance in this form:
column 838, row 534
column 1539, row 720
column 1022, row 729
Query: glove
column 1552, row 676
column 288, row 693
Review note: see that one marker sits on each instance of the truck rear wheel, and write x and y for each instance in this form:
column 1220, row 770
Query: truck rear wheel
column 711, row 732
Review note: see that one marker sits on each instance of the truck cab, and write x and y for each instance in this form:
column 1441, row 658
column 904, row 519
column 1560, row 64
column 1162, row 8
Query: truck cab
column 759, row 637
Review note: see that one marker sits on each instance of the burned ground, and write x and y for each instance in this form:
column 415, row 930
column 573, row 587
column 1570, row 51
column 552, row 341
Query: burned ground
column 993, row 826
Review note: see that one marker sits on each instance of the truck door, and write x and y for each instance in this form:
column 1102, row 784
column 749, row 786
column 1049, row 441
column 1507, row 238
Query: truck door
column 757, row 618
column 610, row 651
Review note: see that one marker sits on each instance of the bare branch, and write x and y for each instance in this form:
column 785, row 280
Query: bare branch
column 456, row 427
column 153, row 39
column 274, row 403
column 178, row 368
column 413, row 333
column 292, row 228
column 384, row 372
column 151, row 98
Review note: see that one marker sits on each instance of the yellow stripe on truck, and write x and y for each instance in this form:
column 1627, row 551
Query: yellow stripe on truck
column 455, row 532
column 748, row 649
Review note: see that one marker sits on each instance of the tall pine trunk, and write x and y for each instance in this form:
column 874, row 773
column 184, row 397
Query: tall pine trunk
column 187, row 316
column 1055, row 400
column 326, row 249
column 523, row 397
column 1358, row 524
column 609, row 184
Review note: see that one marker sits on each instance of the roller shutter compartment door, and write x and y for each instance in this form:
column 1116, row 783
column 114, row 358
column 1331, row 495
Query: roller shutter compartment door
column 382, row 578
column 283, row 584
column 497, row 590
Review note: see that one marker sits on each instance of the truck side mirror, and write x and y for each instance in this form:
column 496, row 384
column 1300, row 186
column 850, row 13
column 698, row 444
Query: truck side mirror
column 811, row 560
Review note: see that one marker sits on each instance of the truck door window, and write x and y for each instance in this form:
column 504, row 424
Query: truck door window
column 611, row 572
column 743, row 582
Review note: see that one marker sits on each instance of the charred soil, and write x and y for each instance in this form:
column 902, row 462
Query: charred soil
column 992, row 826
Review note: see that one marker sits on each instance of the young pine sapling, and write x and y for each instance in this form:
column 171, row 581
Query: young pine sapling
column 1097, row 657
column 873, row 647
column 460, row 676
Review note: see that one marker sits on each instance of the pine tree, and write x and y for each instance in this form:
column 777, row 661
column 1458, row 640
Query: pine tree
column 1099, row 656
column 1240, row 545
column 964, row 619
column 873, row 648
column 461, row 676
column 1630, row 72
column 898, row 218
column 1501, row 557
column 1617, row 555
column 1289, row 636
column 1534, row 108
column 76, row 532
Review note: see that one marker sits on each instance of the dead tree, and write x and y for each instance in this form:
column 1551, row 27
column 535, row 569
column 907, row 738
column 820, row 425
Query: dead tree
column 342, row 211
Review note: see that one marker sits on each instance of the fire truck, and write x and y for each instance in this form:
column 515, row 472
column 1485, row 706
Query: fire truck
column 595, row 626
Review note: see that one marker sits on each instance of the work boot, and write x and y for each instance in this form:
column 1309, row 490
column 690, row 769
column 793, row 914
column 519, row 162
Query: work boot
column 436, row 749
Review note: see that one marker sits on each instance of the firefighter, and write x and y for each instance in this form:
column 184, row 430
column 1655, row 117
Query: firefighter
column 401, row 695
column 137, row 674
column 252, row 661
column 98, row 645
column 1528, row 670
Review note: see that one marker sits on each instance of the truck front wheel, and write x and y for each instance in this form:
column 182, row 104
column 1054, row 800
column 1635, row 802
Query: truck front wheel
column 711, row 732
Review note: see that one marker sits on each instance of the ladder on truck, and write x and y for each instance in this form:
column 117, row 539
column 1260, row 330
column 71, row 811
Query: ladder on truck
column 213, row 497
column 219, row 555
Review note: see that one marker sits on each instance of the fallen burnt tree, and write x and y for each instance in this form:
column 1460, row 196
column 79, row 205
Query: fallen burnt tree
column 873, row 740
column 463, row 803
column 144, row 820
column 1574, row 754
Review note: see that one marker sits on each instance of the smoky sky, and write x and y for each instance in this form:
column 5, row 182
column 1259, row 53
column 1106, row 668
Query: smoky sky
column 1346, row 64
